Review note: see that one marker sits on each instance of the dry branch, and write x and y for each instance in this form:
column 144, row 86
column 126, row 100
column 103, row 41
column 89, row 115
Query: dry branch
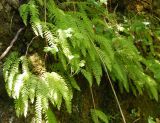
column 11, row 44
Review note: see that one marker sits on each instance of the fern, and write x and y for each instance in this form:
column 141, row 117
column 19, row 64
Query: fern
column 81, row 41
column 50, row 116
column 24, row 12
column 39, row 89
column 7, row 65
column 88, row 76
column 19, row 106
column 96, row 69
column 32, row 10
column 74, row 83
column 97, row 114
column 56, row 83
column 12, row 76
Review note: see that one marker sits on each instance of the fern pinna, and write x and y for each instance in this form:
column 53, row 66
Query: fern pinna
column 82, row 41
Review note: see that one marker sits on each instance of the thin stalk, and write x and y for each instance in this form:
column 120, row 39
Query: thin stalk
column 115, row 95
column 45, row 21
column 11, row 44
column 94, row 105
column 112, row 87
column 29, row 45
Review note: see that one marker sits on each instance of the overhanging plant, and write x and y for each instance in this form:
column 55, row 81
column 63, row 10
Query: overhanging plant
column 82, row 38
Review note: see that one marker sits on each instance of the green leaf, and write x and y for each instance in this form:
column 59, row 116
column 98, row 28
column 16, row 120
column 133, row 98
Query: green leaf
column 88, row 76
column 51, row 118
column 97, row 114
column 74, row 83
column 150, row 120
column 24, row 12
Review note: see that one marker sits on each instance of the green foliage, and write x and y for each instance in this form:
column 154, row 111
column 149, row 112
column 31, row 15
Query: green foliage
column 50, row 116
column 82, row 39
column 150, row 120
column 98, row 116
column 23, row 86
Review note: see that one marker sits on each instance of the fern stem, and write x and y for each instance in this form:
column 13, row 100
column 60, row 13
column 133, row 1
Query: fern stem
column 45, row 12
column 29, row 45
column 112, row 87
column 92, row 98
column 136, row 120
column 115, row 95
column 45, row 20
column 74, row 7
column 11, row 22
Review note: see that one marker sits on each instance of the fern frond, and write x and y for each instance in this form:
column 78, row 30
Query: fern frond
column 37, row 27
column 24, row 12
column 32, row 87
column 18, row 84
column 19, row 106
column 154, row 66
column 21, row 78
column 74, row 83
column 104, row 57
column 151, row 85
column 50, row 116
column 97, row 114
column 45, row 103
column 95, row 68
column 51, row 41
column 63, row 34
column 88, row 76
column 63, row 60
column 80, row 42
column 105, row 45
column 25, row 102
column 119, row 73
column 12, row 76
column 56, row 82
column 32, row 10
column 8, row 63
column 38, row 109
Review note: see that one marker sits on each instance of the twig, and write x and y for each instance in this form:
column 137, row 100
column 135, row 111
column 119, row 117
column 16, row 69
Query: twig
column 10, row 28
column 94, row 105
column 115, row 95
column 136, row 120
column 30, row 44
column 11, row 44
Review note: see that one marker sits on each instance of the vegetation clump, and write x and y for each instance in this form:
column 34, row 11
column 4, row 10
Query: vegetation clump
column 81, row 38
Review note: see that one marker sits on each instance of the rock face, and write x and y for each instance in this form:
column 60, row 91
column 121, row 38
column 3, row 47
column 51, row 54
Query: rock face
column 13, row 3
column 135, row 5
column 9, row 24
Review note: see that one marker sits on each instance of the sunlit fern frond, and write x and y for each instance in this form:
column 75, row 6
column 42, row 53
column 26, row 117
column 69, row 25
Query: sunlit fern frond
column 56, row 83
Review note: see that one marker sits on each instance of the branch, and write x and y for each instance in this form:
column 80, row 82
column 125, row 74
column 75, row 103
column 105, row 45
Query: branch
column 11, row 44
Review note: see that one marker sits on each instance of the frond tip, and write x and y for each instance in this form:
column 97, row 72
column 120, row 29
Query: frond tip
column 57, row 85
column 98, row 115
